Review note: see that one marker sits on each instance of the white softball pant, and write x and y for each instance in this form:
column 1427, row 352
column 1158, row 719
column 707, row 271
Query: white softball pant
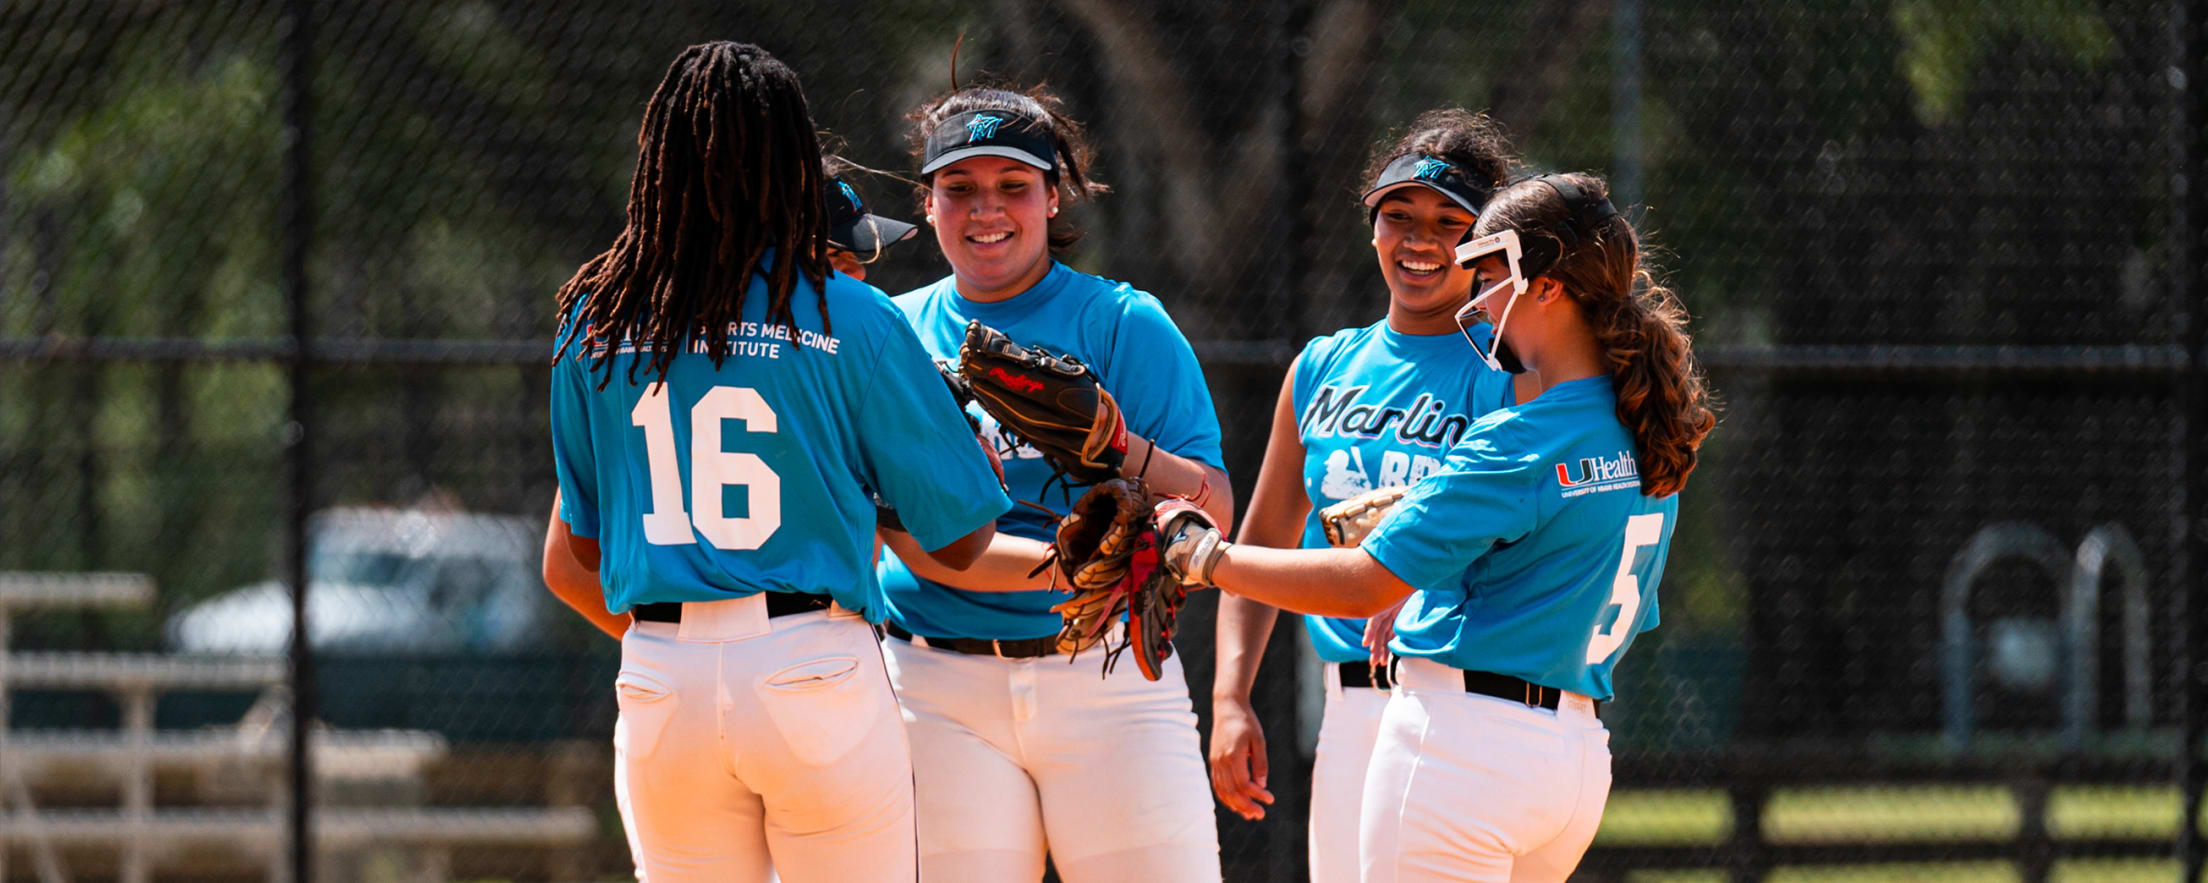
column 1470, row 787
column 1346, row 734
column 1016, row 758
column 751, row 745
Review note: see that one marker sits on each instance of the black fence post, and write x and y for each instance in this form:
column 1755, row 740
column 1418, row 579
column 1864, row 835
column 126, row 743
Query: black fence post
column 298, row 233
column 2035, row 850
column 2190, row 211
column 1746, row 860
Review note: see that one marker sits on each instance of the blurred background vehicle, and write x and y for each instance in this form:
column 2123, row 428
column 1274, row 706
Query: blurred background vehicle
column 387, row 580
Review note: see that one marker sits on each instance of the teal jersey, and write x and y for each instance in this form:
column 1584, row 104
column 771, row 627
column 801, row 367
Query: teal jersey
column 756, row 475
column 1376, row 408
column 1140, row 357
column 1533, row 551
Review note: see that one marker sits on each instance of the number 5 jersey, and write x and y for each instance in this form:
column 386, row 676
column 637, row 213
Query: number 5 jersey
column 1534, row 552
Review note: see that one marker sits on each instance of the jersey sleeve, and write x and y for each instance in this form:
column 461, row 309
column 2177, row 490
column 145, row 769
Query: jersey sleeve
column 572, row 456
column 918, row 451
column 1159, row 385
column 1482, row 496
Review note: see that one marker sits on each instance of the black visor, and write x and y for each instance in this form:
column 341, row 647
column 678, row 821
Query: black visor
column 850, row 228
column 988, row 133
column 1468, row 190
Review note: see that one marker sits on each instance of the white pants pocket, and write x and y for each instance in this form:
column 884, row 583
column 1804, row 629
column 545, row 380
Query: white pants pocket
column 646, row 705
column 822, row 707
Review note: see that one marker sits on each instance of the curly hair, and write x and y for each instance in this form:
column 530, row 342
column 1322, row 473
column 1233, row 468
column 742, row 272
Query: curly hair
column 1472, row 141
column 1663, row 398
column 728, row 169
column 1069, row 176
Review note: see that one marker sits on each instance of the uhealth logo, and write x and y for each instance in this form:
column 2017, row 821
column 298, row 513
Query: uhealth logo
column 983, row 128
column 1598, row 474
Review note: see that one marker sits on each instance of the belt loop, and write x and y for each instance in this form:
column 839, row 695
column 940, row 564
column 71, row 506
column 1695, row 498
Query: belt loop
column 996, row 645
column 1533, row 696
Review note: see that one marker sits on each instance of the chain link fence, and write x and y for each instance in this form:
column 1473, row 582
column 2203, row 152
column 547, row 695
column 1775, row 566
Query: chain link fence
column 1929, row 608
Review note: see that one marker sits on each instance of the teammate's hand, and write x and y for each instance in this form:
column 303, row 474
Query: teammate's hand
column 1379, row 630
column 1188, row 543
column 1238, row 764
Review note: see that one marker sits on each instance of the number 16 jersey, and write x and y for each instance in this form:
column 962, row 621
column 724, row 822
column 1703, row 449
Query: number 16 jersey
column 754, row 475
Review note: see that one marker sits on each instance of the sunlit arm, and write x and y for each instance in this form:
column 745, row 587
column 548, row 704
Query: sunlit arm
column 1275, row 518
column 1001, row 566
column 961, row 554
column 1170, row 473
column 571, row 572
column 1326, row 582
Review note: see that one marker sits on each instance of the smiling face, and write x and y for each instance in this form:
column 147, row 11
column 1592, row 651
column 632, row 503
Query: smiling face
column 1415, row 235
column 992, row 220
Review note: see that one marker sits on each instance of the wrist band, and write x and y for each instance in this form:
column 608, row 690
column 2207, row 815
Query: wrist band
column 1210, row 549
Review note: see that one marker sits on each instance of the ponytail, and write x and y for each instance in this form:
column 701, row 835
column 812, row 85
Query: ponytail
column 1662, row 397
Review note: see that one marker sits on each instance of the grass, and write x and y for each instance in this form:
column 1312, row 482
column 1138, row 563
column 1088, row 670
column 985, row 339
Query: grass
column 1912, row 814
column 1898, row 814
column 2082, row 871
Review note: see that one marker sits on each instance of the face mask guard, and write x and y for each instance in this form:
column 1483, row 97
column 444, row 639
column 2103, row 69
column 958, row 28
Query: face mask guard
column 1504, row 243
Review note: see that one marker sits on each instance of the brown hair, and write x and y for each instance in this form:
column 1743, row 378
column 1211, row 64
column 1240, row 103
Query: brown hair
column 728, row 167
column 1662, row 397
column 1471, row 141
column 1074, row 156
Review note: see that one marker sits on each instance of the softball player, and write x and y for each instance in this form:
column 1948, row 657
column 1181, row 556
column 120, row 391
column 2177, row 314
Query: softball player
column 723, row 497
column 1016, row 752
column 1362, row 409
column 1530, row 558
column 852, row 233
column 855, row 237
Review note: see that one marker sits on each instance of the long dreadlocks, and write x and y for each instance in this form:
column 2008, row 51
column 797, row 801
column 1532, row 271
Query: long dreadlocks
column 727, row 169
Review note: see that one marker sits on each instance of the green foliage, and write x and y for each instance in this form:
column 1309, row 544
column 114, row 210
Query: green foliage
column 165, row 202
column 1945, row 41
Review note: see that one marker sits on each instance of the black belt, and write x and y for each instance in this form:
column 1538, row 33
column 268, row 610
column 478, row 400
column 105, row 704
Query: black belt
column 1534, row 695
column 1362, row 674
column 1019, row 648
column 778, row 604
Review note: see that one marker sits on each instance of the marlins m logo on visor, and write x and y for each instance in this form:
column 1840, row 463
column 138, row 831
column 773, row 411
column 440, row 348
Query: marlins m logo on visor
column 1009, row 134
column 1468, row 189
column 983, row 127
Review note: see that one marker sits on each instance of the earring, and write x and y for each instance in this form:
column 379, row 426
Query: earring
column 1054, row 211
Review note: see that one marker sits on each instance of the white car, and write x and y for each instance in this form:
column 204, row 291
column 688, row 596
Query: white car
column 388, row 580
